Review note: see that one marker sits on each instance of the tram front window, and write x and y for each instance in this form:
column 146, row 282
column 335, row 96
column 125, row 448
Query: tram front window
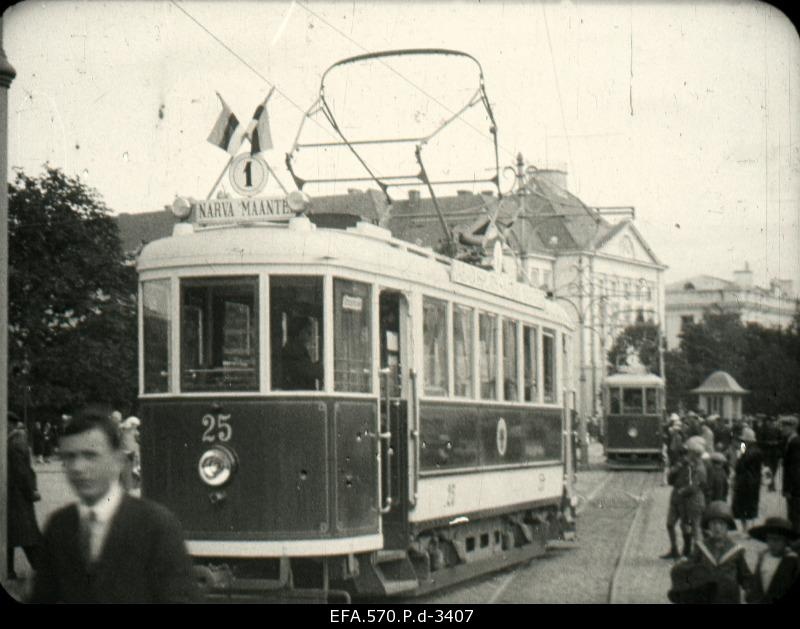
column 296, row 326
column 156, row 310
column 632, row 401
column 219, row 334
column 651, row 407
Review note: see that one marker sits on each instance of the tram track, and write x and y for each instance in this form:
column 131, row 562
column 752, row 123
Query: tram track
column 620, row 563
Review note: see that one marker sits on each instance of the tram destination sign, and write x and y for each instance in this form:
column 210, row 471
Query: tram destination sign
column 496, row 283
column 241, row 210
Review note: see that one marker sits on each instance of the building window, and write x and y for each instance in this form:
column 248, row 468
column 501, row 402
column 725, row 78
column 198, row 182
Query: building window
column 686, row 320
column 534, row 277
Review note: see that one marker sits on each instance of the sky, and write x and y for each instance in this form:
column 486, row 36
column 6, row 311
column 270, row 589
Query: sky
column 686, row 111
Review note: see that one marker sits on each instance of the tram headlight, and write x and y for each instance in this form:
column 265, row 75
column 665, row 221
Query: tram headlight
column 632, row 432
column 216, row 466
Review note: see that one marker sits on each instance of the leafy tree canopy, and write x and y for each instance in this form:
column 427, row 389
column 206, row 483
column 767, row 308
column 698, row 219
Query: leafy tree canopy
column 72, row 309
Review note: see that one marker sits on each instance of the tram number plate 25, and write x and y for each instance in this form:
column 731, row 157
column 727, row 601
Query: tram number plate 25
column 216, row 428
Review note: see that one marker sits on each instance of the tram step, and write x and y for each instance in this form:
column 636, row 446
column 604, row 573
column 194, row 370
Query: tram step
column 398, row 587
column 382, row 556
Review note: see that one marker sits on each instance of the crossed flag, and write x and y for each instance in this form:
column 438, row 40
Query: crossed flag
column 228, row 133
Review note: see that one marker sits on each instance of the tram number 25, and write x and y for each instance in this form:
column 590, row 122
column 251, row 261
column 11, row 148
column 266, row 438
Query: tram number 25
column 217, row 427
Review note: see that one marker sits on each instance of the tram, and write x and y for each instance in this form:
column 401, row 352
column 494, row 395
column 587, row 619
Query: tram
column 634, row 412
column 333, row 411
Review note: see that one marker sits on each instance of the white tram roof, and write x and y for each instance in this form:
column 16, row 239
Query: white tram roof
column 634, row 379
column 364, row 248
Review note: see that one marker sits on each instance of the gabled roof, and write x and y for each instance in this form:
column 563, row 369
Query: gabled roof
column 720, row 382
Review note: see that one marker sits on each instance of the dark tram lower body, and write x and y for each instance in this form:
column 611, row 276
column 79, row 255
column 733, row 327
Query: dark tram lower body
column 319, row 495
column 634, row 442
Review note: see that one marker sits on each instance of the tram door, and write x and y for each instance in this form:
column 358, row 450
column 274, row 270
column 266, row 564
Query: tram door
column 394, row 413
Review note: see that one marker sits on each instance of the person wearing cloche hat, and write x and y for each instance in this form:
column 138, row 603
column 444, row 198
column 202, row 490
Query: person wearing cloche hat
column 747, row 480
column 719, row 558
column 777, row 572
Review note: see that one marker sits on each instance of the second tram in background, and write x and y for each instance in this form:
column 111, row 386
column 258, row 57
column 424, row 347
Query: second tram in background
column 634, row 410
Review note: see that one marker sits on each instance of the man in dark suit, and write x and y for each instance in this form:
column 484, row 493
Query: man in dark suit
column 109, row 547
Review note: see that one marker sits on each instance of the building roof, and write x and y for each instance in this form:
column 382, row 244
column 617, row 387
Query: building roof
column 720, row 382
column 551, row 220
column 701, row 282
column 634, row 379
column 138, row 229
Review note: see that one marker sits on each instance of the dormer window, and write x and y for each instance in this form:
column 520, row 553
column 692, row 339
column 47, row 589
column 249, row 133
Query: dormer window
column 688, row 286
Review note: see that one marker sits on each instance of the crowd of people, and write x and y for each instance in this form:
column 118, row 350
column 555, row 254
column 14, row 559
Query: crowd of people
column 717, row 469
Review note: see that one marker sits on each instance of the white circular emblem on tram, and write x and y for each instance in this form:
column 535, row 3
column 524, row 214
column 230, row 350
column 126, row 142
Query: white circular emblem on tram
column 632, row 432
column 248, row 174
column 502, row 437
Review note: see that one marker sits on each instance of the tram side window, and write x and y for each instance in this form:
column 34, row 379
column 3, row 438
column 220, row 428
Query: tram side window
column 487, row 334
column 632, row 401
column 651, row 407
column 549, row 360
column 615, row 401
column 296, row 332
column 156, row 310
column 510, row 384
column 462, row 346
column 434, row 333
column 531, row 373
column 352, row 336
column 219, row 334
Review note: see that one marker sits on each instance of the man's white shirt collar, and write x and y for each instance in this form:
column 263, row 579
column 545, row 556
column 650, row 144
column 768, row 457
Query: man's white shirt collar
column 105, row 508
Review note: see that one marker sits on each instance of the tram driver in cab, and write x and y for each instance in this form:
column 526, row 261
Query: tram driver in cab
column 300, row 372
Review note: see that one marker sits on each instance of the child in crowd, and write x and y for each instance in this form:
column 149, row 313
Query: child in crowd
column 777, row 568
column 717, row 571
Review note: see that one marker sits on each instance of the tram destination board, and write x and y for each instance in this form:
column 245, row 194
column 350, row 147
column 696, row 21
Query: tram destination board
column 241, row 210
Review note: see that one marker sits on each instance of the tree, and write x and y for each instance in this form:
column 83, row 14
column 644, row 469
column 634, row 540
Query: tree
column 72, row 307
column 641, row 338
column 764, row 361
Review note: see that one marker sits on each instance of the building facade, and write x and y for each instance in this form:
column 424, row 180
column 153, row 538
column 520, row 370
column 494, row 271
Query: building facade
column 690, row 299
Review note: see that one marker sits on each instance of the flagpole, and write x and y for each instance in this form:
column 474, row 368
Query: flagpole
column 221, row 175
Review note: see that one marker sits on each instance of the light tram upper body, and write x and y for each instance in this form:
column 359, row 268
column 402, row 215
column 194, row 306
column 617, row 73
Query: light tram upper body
column 340, row 410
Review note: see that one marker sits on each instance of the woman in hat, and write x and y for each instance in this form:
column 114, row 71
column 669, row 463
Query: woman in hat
column 777, row 568
column 747, row 482
column 720, row 559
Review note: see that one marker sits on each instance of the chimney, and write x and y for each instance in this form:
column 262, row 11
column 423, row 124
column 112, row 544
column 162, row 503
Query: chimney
column 554, row 176
column 744, row 278
column 413, row 196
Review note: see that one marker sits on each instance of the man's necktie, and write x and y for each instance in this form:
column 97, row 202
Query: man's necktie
column 88, row 525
